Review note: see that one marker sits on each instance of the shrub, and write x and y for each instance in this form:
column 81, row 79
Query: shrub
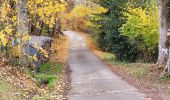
column 128, row 32
column 106, row 33
column 142, row 24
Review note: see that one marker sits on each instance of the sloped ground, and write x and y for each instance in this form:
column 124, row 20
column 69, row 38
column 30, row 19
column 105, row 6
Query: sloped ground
column 14, row 83
column 91, row 79
column 17, row 83
column 60, row 48
column 8, row 91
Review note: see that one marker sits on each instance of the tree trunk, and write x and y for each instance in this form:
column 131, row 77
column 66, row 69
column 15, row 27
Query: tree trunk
column 57, row 28
column 23, row 28
column 163, row 27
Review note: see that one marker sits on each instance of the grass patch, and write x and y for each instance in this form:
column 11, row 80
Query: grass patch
column 105, row 55
column 117, row 62
column 109, row 57
column 45, row 79
column 136, row 69
column 48, row 74
column 166, row 77
column 50, row 68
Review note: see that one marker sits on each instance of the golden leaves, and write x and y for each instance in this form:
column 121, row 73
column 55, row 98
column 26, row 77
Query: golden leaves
column 78, row 18
column 6, row 9
column 26, row 37
column 3, row 39
column 8, row 29
column 8, row 21
column 41, row 50
column 35, row 57
column 16, row 51
column 46, row 10
column 60, row 48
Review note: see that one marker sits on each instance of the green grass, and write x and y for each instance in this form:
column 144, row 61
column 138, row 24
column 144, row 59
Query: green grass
column 45, row 79
column 110, row 58
column 50, row 68
column 116, row 62
column 48, row 74
column 166, row 77
column 136, row 69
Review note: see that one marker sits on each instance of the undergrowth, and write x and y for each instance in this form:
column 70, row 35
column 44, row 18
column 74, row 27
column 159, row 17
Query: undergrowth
column 48, row 74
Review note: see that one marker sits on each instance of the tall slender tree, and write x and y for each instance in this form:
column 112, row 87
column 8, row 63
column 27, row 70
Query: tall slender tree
column 23, row 29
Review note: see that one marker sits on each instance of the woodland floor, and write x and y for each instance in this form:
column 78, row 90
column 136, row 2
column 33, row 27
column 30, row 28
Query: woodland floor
column 144, row 76
column 17, row 83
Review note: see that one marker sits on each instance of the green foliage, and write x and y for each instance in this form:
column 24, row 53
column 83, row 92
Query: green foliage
column 142, row 25
column 142, row 3
column 106, row 30
column 129, row 32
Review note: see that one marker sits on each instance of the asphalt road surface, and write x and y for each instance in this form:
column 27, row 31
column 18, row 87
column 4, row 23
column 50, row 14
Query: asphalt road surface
column 91, row 79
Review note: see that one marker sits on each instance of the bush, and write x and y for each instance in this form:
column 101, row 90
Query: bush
column 142, row 25
column 106, row 33
column 128, row 32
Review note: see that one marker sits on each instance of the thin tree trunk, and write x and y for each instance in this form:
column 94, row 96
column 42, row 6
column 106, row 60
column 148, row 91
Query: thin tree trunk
column 42, row 27
column 56, row 28
column 23, row 28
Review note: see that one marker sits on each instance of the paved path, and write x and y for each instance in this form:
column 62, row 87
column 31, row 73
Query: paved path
column 93, row 80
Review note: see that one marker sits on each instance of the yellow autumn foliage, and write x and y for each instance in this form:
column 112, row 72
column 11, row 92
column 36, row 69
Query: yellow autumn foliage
column 3, row 40
column 78, row 18
column 45, row 10
column 142, row 28
column 16, row 51
column 141, row 22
